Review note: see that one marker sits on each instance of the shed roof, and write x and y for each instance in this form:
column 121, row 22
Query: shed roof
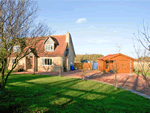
column 110, row 56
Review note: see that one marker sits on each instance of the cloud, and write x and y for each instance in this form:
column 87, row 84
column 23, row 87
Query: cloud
column 80, row 20
column 92, row 26
column 115, row 31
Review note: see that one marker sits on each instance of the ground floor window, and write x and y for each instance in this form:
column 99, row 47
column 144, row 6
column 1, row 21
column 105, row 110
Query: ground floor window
column 107, row 64
column 47, row 61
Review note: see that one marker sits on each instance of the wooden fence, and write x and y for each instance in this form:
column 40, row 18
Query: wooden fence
column 142, row 65
column 83, row 65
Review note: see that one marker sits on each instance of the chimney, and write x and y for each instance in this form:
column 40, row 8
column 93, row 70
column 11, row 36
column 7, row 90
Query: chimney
column 67, row 37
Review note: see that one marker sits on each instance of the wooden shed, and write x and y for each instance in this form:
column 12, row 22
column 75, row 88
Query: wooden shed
column 123, row 63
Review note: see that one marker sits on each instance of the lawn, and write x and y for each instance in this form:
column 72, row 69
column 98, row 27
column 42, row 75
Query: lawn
column 148, row 73
column 44, row 93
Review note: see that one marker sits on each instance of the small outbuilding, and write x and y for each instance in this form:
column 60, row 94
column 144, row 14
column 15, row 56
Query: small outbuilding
column 121, row 62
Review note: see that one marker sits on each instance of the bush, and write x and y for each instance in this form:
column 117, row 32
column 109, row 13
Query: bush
column 65, row 69
column 20, row 70
column 104, row 71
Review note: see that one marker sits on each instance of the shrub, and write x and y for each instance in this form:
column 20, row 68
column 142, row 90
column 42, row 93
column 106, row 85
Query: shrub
column 104, row 71
column 20, row 70
column 65, row 69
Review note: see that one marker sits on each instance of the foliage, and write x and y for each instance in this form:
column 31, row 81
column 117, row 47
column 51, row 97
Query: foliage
column 43, row 93
column 65, row 68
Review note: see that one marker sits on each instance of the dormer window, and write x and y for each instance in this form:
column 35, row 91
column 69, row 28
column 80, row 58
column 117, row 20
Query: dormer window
column 16, row 48
column 49, row 47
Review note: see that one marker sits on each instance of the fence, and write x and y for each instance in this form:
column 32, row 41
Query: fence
column 83, row 65
column 144, row 65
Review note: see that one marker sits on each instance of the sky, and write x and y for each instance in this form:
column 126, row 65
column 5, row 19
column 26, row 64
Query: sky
column 96, row 26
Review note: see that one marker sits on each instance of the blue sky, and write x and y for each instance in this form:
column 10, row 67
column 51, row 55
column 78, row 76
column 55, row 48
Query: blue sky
column 96, row 26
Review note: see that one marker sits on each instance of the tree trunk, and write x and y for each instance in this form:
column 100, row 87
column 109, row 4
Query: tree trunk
column 2, row 88
column 147, row 82
column 115, row 81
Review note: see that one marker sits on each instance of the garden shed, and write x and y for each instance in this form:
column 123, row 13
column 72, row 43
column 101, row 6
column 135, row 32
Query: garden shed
column 120, row 62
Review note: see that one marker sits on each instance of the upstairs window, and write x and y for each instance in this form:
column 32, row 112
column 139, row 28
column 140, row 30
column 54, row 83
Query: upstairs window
column 49, row 47
column 13, row 61
column 16, row 48
column 47, row 61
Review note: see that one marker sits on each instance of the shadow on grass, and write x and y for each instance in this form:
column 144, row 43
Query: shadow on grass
column 63, row 94
column 25, row 77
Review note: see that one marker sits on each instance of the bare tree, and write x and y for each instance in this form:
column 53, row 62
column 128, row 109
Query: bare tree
column 143, row 36
column 142, row 65
column 116, row 65
column 143, row 59
column 17, row 21
column 84, row 71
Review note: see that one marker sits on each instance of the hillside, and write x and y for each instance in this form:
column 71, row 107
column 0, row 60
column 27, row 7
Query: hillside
column 90, row 57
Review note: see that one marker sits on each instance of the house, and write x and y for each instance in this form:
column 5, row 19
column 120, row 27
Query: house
column 51, row 53
column 124, row 63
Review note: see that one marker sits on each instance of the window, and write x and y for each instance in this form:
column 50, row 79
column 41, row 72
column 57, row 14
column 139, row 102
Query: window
column 67, row 51
column 13, row 61
column 49, row 47
column 107, row 64
column 47, row 61
column 16, row 48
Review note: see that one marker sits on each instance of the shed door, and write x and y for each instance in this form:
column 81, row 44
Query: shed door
column 124, row 66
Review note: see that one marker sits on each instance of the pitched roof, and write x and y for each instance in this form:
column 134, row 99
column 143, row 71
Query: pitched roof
column 59, row 50
column 113, row 55
column 108, row 56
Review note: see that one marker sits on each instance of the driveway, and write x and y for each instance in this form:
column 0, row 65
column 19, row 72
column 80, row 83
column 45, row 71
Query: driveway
column 75, row 73
column 123, row 79
column 134, row 82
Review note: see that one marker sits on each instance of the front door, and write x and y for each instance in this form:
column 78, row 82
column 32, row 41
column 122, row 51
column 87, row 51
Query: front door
column 29, row 62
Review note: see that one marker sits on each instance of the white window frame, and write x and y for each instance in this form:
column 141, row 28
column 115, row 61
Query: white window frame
column 43, row 62
column 16, row 48
column 50, row 45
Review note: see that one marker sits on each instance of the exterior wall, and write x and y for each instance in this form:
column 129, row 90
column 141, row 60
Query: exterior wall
column 70, row 57
column 49, row 41
column 100, row 65
column 21, row 64
column 55, row 67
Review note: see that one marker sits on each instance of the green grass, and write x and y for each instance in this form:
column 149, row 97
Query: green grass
column 148, row 73
column 34, row 93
